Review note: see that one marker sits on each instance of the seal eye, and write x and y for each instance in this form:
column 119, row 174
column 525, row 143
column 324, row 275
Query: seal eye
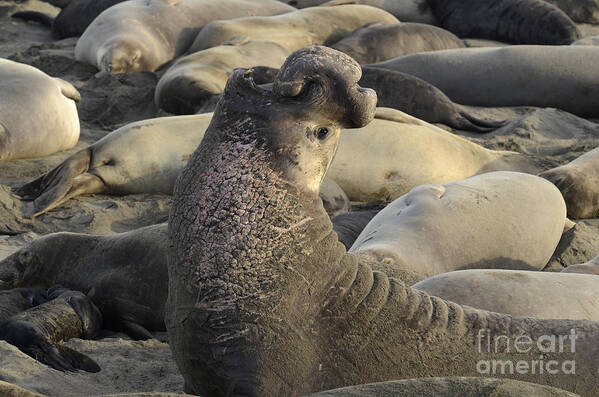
column 322, row 133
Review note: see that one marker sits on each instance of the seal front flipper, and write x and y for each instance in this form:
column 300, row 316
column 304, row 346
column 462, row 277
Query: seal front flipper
column 69, row 179
column 35, row 16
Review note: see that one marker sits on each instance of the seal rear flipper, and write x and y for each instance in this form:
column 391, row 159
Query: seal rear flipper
column 128, row 316
column 35, row 16
column 472, row 123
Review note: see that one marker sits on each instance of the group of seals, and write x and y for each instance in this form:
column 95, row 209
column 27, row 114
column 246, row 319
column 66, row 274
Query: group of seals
column 264, row 300
column 38, row 115
column 144, row 34
column 501, row 76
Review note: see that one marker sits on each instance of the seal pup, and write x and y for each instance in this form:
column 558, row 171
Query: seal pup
column 561, row 81
column 294, row 30
column 579, row 183
column 103, row 267
column 376, row 42
column 38, row 115
column 425, row 232
column 72, row 20
column 264, row 300
column 404, row 10
column 422, row 100
column 581, row 11
column 144, row 34
column 38, row 331
column 193, row 79
column 511, row 21
column 392, row 150
column 519, row 293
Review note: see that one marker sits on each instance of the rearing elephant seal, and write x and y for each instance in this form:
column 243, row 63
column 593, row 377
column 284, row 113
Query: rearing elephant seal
column 510, row 21
column 38, row 115
column 501, row 76
column 144, row 34
column 264, row 300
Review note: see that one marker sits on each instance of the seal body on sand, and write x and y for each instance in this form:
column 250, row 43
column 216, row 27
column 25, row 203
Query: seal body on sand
column 392, row 149
column 562, row 79
column 73, row 19
column 579, row 183
column 420, row 99
column 144, row 34
column 519, row 293
column 512, row 21
column 492, row 220
column 124, row 274
column 38, row 115
column 193, row 79
column 581, row 11
column 447, row 387
column 264, row 300
column 376, row 42
column 404, row 10
column 294, row 30
column 590, row 267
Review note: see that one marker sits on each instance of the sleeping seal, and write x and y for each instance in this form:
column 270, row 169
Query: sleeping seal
column 263, row 299
column 511, row 21
column 38, row 115
column 376, row 42
column 144, row 34
column 501, row 76
column 519, row 293
column 579, row 183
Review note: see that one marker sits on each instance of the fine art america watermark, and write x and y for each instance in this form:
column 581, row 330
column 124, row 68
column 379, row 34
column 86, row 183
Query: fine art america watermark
column 551, row 345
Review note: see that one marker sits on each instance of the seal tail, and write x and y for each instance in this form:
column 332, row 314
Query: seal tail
column 69, row 179
column 35, row 16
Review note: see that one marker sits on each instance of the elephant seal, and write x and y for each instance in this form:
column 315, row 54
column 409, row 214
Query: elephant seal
column 144, row 34
column 294, row 30
column 591, row 40
column 423, row 231
column 511, row 21
column 376, row 42
column 38, row 331
column 447, row 387
column 404, row 10
column 9, row 390
column 103, row 267
column 562, row 79
column 348, row 226
column 581, row 11
column 193, row 79
column 16, row 300
column 72, row 20
column 422, row 100
column 38, row 115
column 392, row 149
column 519, row 293
column 590, row 267
column 579, row 183
column 264, row 300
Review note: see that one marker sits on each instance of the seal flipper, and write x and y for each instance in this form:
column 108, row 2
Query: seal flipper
column 69, row 179
column 68, row 90
column 39, row 17
column 479, row 125
column 128, row 316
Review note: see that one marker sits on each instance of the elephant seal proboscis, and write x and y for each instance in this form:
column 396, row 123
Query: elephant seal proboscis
column 519, row 293
column 294, row 30
column 512, row 21
column 422, row 100
column 561, row 81
column 38, row 331
column 491, row 221
column 579, row 183
column 193, row 79
column 264, row 300
column 377, row 42
column 404, row 10
column 73, row 19
column 144, row 34
column 399, row 152
column 38, row 115
column 581, row 11
column 123, row 274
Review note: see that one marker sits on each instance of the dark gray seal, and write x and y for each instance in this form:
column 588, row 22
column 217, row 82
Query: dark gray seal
column 511, row 21
column 264, row 300
column 581, row 11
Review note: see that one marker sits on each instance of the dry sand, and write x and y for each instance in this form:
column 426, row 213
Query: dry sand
column 549, row 136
